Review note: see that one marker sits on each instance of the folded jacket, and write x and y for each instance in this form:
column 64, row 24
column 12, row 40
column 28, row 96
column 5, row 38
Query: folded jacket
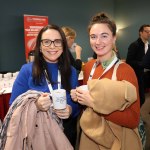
column 109, row 96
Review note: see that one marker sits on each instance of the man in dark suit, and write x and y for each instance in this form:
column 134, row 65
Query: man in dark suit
column 146, row 60
column 136, row 52
column 146, row 65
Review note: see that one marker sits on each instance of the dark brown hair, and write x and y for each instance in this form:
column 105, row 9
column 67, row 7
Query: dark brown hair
column 39, row 64
column 143, row 26
column 103, row 18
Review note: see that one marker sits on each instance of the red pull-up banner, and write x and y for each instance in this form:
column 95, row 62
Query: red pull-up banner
column 32, row 26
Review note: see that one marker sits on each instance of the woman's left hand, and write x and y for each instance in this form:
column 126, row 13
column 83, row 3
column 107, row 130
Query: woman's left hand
column 64, row 113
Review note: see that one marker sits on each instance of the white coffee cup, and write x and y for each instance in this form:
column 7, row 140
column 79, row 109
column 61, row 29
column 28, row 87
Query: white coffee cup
column 83, row 87
column 59, row 99
column 8, row 75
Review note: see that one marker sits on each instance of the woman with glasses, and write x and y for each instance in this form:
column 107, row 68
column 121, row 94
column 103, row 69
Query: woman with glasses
column 112, row 113
column 50, row 70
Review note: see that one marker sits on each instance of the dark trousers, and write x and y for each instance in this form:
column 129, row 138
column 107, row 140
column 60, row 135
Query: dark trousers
column 141, row 91
column 144, row 83
column 70, row 130
column 147, row 79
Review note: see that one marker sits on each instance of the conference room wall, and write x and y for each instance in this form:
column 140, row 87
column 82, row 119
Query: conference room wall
column 72, row 13
column 129, row 16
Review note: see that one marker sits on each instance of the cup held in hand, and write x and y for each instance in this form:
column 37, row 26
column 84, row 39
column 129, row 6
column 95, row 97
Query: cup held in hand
column 83, row 87
column 59, row 99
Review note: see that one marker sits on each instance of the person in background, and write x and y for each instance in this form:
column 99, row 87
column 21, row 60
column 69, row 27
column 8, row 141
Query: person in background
column 109, row 120
column 146, row 60
column 70, row 34
column 135, row 54
column 146, row 65
column 51, row 62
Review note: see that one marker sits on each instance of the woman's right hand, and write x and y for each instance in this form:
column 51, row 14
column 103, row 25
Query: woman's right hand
column 44, row 102
column 73, row 95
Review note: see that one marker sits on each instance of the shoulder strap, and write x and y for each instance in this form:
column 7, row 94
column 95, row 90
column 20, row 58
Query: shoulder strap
column 114, row 77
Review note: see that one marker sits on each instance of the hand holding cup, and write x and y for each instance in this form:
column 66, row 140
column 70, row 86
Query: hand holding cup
column 43, row 103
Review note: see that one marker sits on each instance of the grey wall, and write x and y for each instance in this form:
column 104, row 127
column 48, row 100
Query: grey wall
column 130, row 15
column 61, row 12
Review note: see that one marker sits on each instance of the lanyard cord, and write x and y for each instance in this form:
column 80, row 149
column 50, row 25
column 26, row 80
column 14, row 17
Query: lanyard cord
column 49, row 83
column 58, row 120
column 115, row 60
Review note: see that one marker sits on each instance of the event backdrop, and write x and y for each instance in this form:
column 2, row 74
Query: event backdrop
column 32, row 25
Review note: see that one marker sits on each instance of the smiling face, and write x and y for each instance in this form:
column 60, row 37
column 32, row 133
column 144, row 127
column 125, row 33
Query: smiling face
column 52, row 52
column 102, row 41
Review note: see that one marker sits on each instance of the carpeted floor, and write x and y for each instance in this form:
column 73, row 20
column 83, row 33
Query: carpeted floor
column 145, row 112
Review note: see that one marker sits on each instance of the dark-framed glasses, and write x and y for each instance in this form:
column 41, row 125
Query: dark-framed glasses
column 47, row 42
